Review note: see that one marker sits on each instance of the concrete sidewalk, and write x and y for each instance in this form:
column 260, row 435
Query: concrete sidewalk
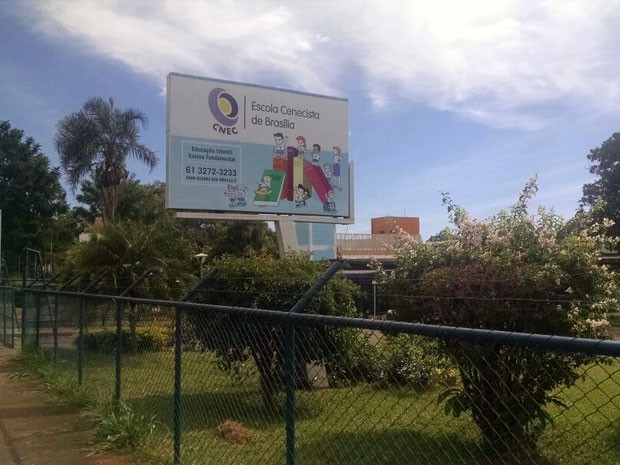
column 38, row 429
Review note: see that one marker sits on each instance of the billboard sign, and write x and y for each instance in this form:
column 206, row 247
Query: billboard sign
column 239, row 148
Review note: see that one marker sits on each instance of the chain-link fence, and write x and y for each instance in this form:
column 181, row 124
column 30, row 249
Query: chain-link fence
column 230, row 385
column 8, row 316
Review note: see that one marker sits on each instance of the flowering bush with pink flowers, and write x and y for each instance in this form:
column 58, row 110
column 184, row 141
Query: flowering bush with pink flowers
column 515, row 271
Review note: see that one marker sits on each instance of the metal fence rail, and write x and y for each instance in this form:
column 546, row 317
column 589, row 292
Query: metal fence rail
column 231, row 385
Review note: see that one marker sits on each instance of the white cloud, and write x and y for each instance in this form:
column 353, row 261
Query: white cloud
column 501, row 62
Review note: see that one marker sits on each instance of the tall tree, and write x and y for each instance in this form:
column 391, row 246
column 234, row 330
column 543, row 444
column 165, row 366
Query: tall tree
column 96, row 142
column 606, row 165
column 30, row 193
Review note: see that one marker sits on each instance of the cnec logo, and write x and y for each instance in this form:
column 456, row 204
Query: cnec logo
column 225, row 109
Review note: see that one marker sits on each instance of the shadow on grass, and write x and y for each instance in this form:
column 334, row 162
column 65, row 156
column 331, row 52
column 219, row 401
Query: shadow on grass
column 401, row 447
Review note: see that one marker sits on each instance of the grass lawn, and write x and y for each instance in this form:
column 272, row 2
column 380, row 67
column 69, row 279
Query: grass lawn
column 362, row 425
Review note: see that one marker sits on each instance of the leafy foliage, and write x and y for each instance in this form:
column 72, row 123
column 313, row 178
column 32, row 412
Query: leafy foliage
column 148, row 339
column 119, row 253
column 30, row 193
column 606, row 166
column 221, row 237
column 264, row 282
column 124, row 250
column 120, row 427
column 513, row 272
column 136, row 201
column 393, row 360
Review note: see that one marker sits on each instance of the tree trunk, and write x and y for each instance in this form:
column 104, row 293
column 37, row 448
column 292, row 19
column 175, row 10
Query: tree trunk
column 269, row 379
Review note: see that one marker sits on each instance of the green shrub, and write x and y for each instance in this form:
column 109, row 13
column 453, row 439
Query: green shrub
column 513, row 272
column 146, row 339
column 356, row 360
column 264, row 282
column 401, row 360
column 406, row 361
column 119, row 427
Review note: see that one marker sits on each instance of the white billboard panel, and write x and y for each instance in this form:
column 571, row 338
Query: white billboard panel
column 239, row 148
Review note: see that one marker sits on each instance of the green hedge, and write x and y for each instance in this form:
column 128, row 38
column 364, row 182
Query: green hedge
column 147, row 339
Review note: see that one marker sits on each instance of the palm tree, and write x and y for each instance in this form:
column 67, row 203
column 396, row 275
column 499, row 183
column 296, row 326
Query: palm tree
column 117, row 253
column 96, row 141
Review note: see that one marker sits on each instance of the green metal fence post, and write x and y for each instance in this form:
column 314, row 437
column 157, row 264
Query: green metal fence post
column 24, row 315
column 178, row 358
column 178, row 363
column 38, row 321
column 55, row 328
column 80, row 360
column 289, row 359
column 119, row 347
column 289, row 380
column 13, row 318
column 3, row 315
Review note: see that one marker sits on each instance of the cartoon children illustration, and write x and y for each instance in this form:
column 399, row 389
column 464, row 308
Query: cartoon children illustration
column 264, row 186
column 241, row 190
column 301, row 146
column 330, row 202
column 231, row 193
column 301, row 195
column 280, row 144
column 236, row 195
column 316, row 154
column 336, row 168
column 327, row 171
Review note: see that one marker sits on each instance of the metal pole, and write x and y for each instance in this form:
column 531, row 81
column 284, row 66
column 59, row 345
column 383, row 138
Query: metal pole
column 55, row 328
column 374, row 299
column 3, row 312
column 13, row 318
column 38, row 322
column 119, row 328
column 178, row 358
column 289, row 405
column 300, row 305
column 289, row 359
column 119, row 333
column 24, row 315
column 178, row 361
column 24, row 270
column 80, row 359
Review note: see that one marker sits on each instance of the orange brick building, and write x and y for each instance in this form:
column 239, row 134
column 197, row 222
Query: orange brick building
column 395, row 225
column 380, row 243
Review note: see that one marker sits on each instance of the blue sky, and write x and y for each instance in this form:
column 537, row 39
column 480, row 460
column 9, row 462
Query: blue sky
column 467, row 97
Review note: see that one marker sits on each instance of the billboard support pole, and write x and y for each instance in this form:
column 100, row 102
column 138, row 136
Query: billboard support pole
column 286, row 236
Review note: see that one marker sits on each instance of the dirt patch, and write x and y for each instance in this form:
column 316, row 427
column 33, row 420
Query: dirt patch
column 232, row 431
